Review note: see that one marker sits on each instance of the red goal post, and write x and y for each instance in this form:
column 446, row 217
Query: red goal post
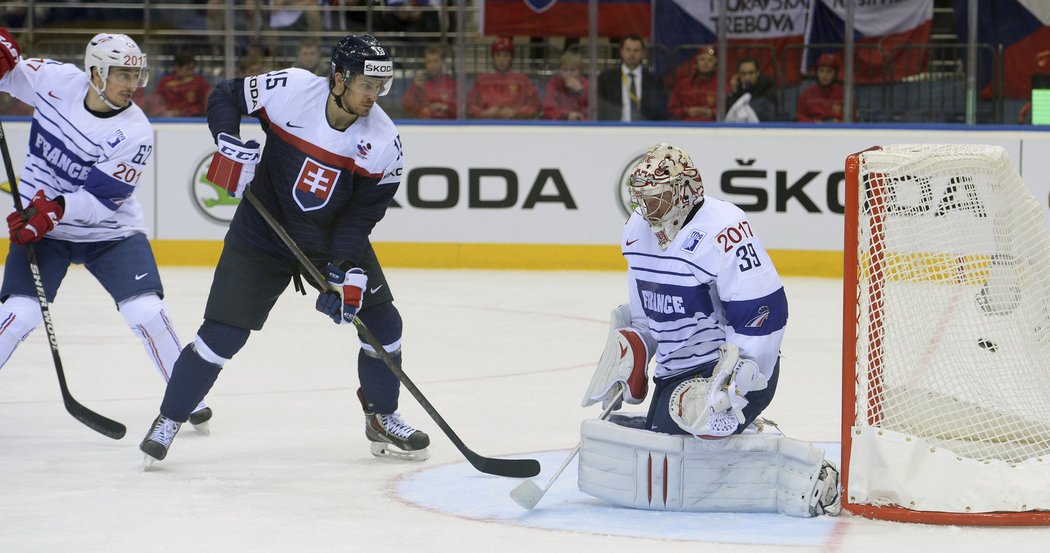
column 946, row 339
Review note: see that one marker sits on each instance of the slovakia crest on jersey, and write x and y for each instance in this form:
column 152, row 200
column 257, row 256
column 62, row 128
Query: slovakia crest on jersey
column 315, row 185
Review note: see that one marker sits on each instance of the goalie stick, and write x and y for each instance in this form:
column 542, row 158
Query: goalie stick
column 107, row 427
column 515, row 468
column 528, row 494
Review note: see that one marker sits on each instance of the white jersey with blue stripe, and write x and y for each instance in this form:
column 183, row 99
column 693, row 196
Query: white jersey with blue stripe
column 93, row 160
column 714, row 283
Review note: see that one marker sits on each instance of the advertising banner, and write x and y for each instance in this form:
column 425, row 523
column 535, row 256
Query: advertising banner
column 555, row 185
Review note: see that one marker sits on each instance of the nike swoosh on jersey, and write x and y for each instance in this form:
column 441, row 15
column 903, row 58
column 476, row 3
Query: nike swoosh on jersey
column 290, row 124
column 51, row 93
column 140, row 277
column 629, row 242
column 376, row 289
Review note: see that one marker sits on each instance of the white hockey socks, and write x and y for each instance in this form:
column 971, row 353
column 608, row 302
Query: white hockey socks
column 19, row 315
column 147, row 318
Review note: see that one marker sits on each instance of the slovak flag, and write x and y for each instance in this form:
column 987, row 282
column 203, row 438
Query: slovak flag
column 1022, row 27
column 883, row 33
column 616, row 18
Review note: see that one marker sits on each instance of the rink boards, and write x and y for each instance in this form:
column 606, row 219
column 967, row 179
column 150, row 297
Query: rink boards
column 546, row 196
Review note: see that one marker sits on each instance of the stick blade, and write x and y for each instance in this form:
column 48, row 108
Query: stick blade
column 527, row 494
column 513, row 468
column 105, row 426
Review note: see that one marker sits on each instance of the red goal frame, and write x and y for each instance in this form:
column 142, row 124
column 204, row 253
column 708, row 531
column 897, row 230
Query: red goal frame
column 849, row 367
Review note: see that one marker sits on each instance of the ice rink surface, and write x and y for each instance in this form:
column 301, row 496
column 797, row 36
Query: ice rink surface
column 504, row 357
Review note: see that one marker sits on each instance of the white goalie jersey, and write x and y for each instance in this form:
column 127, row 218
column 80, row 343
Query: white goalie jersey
column 713, row 283
column 94, row 160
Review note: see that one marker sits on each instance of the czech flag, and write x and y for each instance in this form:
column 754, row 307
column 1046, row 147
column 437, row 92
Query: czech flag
column 884, row 35
column 1021, row 27
column 766, row 31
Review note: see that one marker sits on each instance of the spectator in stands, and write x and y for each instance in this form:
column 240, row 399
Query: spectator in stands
column 1040, row 79
column 565, row 97
column 432, row 93
column 695, row 98
column 408, row 16
column 286, row 18
column 309, row 58
column 754, row 96
column 503, row 93
column 251, row 65
column 631, row 92
column 822, row 101
column 181, row 93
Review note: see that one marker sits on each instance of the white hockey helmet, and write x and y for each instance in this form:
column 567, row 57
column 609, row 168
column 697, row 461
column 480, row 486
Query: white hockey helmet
column 665, row 185
column 108, row 50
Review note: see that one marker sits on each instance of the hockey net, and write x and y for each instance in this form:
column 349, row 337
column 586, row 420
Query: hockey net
column 946, row 338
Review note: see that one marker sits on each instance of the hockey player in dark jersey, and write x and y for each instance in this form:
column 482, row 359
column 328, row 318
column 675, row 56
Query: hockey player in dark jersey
column 331, row 165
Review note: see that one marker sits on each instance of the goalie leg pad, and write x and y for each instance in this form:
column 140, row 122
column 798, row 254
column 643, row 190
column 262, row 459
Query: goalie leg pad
column 751, row 472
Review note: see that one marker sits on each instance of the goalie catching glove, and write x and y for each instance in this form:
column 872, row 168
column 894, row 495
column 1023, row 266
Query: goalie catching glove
column 714, row 407
column 625, row 361
column 343, row 303
column 233, row 165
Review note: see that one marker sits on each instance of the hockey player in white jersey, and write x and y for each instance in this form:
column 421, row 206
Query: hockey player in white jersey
column 707, row 307
column 88, row 148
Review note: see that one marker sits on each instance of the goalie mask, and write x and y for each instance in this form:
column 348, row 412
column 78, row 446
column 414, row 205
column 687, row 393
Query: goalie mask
column 665, row 185
column 106, row 51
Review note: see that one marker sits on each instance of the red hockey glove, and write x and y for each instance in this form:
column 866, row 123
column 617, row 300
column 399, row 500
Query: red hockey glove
column 9, row 52
column 233, row 165
column 39, row 217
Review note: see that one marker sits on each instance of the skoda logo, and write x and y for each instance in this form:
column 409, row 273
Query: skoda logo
column 622, row 191
column 211, row 199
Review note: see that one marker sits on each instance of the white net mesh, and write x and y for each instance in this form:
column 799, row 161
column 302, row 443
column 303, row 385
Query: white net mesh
column 953, row 301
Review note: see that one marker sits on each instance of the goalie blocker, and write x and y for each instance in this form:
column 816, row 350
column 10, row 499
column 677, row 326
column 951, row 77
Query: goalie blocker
column 754, row 472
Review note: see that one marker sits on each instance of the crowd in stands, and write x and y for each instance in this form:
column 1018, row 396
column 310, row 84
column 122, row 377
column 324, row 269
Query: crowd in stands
column 627, row 91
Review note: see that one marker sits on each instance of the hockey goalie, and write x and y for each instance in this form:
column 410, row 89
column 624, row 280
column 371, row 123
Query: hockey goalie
column 707, row 308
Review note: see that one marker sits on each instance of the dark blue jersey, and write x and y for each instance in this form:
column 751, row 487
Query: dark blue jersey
column 328, row 188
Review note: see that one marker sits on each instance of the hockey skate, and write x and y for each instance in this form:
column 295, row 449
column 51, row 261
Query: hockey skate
column 826, row 500
column 392, row 437
column 157, row 441
column 199, row 419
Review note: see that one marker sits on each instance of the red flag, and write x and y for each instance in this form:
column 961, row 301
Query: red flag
column 616, row 18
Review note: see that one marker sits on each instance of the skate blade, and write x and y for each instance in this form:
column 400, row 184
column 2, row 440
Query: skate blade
column 389, row 451
column 147, row 462
column 204, row 428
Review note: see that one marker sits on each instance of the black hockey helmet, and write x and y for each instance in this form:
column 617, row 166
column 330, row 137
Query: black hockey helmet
column 363, row 55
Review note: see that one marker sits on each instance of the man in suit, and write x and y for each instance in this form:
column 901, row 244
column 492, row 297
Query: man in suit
column 630, row 92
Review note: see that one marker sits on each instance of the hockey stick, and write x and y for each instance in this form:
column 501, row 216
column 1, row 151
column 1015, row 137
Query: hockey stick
column 528, row 494
column 516, row 468
column 107, row 427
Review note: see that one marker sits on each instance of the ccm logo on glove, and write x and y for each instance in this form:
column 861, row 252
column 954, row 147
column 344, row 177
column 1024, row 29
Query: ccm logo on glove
column 343, row 303
column 233, row 165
